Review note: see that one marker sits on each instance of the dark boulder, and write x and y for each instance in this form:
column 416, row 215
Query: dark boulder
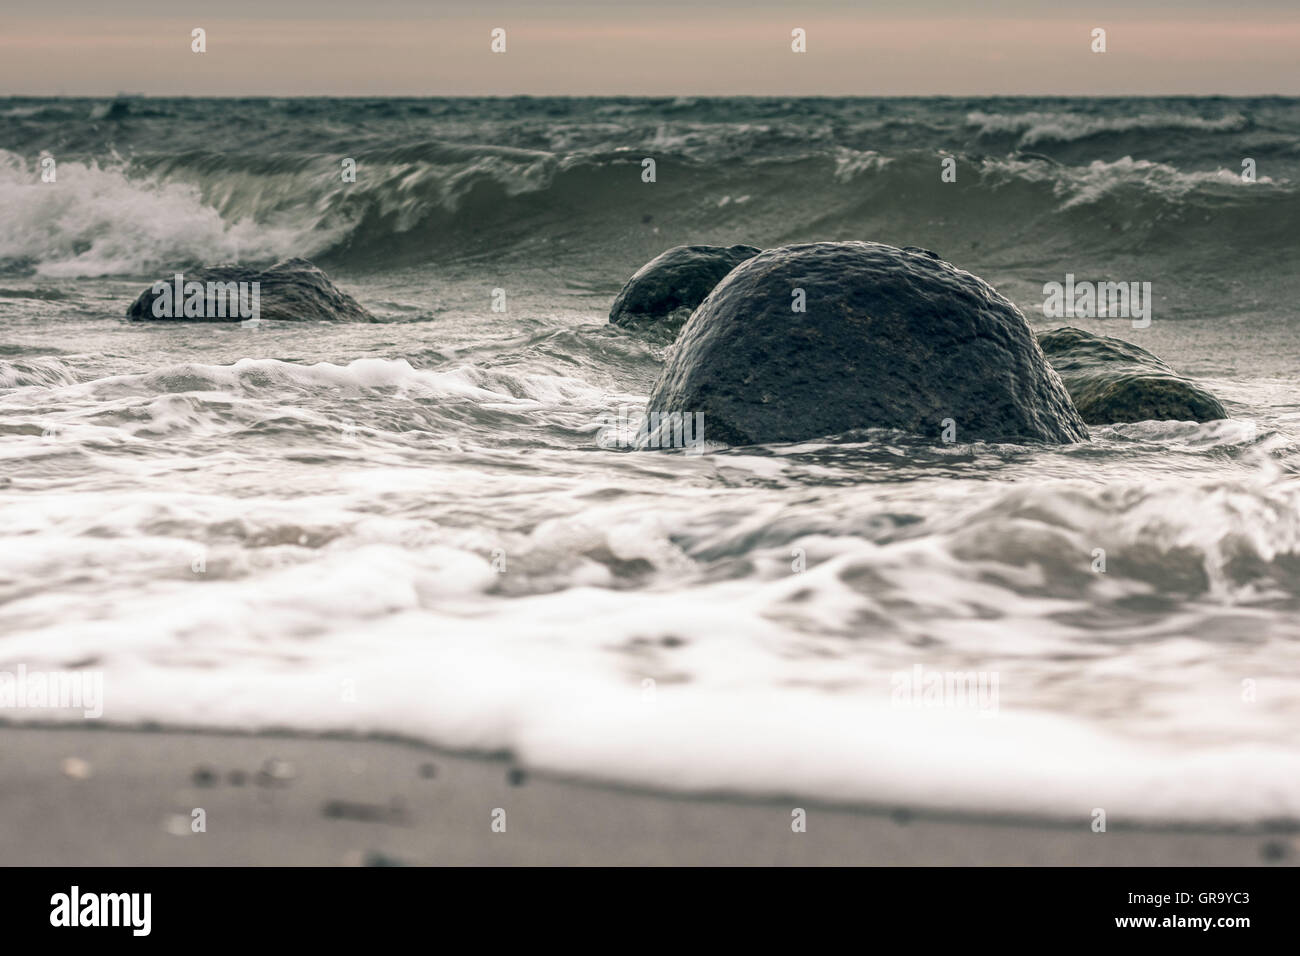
column 890, row 337
column 662, row 294
column 290, row 290
column 1111, row 380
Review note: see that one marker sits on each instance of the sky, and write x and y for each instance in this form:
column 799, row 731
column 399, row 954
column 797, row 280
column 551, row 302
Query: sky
column 664, row 48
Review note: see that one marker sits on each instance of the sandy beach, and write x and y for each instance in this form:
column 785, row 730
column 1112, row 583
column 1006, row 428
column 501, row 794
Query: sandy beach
column 73, row 796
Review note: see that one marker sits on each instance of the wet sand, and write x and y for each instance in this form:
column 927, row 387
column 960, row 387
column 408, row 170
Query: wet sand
column 116, row 797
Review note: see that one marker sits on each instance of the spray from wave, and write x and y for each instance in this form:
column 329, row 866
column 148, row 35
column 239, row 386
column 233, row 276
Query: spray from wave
column 101, row 221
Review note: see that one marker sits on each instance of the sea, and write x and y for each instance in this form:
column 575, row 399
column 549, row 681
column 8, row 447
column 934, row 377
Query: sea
column 418, row 527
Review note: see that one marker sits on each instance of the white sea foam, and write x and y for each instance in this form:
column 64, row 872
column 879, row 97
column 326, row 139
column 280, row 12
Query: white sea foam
column 1082, row 185
column 95, row 220
column 852, row 163
column 383, row 639
column 358, row 598
column 1040, row 127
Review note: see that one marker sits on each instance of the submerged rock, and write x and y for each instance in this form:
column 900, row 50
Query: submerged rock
column 887, row 337
column 204, row 776
column 663, row 292
column 1111, row 380
column 290, row 290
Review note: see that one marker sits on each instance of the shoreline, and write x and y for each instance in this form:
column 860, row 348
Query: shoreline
column 104, row 796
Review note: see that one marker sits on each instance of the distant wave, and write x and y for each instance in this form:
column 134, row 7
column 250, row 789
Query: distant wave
column 1034, row 127
column 1081, row 185
column 441, row 201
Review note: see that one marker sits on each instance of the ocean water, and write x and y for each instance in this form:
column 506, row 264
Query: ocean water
column 412, row 527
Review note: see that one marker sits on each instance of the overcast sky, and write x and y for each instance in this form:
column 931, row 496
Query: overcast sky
column 670, row 47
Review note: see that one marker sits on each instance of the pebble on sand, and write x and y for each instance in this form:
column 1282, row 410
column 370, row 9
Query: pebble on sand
column 76, row 768
column 393, row 813
column 276, row 773
column 1273, row 851
column 371, row 858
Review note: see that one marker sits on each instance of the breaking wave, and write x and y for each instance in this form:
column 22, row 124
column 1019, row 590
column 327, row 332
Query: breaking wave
column 438, row 201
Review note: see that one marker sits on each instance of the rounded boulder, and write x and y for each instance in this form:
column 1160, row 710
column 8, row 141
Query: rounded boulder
column 820, row 338
column 662, row 294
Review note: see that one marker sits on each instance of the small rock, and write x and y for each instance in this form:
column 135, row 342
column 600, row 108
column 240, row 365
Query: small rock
column 664, row 291
column 428, row 770
column 516, row 777
column 205, row 777
column 1111, row 380
column 292, row 290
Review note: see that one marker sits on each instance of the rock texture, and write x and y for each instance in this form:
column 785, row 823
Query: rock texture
column 1111, row 380
column 291, row 290
column 662, row 294
column 890, row 337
